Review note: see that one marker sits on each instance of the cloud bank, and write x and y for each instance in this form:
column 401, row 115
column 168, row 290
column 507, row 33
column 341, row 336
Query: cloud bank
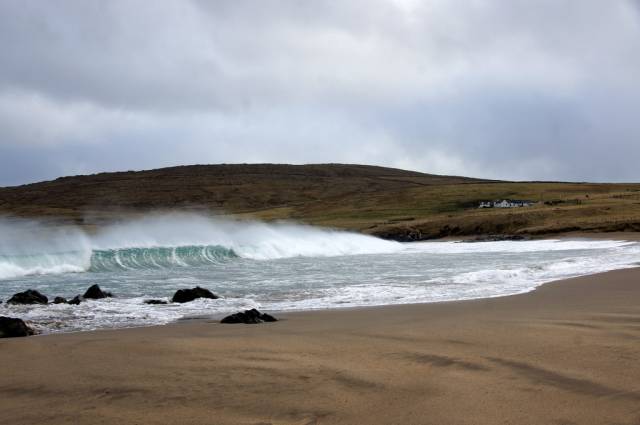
column 513, row 90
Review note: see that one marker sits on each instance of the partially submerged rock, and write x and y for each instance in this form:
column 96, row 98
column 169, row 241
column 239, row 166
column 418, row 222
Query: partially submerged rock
column 59, row 300
column 155, row 302
column 76, row 300
column 96, row 293
column 11, row 327
column 187, row 295
column 30, row 296
column 249, row 317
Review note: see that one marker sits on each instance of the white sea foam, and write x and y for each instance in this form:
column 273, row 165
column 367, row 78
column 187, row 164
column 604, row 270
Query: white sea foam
column 452, row 247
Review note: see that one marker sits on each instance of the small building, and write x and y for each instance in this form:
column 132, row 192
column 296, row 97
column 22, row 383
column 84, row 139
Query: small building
column 505, row 203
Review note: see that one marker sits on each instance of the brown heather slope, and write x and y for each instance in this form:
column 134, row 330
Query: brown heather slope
column 383, row 201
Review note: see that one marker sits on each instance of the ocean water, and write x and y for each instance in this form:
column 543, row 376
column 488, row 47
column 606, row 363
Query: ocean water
column 271, row 267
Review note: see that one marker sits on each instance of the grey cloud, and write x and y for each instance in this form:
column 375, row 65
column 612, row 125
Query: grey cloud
column 519, row 89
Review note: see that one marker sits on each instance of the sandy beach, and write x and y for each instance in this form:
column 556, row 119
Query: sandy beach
column 388, row 212
column 566, row 353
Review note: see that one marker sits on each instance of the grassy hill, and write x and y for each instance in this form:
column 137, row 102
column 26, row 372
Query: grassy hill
column 387, row 202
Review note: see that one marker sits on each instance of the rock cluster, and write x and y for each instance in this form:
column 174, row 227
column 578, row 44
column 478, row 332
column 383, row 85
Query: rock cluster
column 14, row 327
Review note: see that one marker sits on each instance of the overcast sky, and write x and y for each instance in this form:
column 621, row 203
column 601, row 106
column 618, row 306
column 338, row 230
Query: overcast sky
column 515, row 89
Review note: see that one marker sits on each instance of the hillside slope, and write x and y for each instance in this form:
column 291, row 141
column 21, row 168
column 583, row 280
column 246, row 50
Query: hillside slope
column 388, row 202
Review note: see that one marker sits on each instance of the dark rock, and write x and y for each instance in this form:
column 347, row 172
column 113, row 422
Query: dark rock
column 249, row 317
column 154, row 302
column 268, row 318
column 95, row 293
column 186, row 295
column 76, row 300
column 29, row 296
column 59, row 300
column 11, row 327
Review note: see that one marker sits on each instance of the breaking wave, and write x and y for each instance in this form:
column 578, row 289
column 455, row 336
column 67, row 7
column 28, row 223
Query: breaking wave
column 164, row 241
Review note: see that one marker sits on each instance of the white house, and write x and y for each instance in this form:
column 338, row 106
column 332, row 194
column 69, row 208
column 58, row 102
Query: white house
column 505, row 203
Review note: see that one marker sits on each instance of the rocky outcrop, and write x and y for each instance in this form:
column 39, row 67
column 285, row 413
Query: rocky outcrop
column 59, row 300
column 96, row 293
column 11, row 327
column 155, row 302
column 249, row 317
column 187, row 295
column 30, row 296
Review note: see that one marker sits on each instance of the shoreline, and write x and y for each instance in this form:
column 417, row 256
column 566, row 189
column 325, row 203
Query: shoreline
column 283, row 314
column 565, row 353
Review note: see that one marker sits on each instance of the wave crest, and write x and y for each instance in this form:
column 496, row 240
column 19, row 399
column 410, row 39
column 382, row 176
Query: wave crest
column 159, row 257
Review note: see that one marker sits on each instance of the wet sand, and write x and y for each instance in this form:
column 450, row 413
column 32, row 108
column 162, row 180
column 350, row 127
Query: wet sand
column 567, row 353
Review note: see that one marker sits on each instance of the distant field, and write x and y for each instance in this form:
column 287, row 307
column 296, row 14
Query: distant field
column 387, row 202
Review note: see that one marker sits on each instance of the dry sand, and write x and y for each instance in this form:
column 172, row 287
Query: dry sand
column 567, row 353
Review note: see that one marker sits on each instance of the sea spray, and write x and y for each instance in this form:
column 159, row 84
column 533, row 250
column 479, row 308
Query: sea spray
column 29, row 247
column 247, row 239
